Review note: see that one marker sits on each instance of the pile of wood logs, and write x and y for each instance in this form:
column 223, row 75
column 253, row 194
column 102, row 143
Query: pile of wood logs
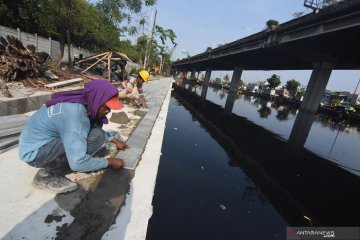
column 17, row 63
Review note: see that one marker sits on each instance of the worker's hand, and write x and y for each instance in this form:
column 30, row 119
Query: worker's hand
column 120, row 145
column 142, row 100
column 116, row 163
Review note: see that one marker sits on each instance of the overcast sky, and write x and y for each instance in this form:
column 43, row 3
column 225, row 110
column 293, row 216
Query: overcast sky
column 199, row 24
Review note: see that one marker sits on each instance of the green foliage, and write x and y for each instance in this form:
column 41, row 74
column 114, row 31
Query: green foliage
column 96, row 27
column 129, row 49
column 133, row 71
column 157, row 52
column 166, row 63
column 292, row 86
column 335, row 102
column 356, row 107
column 119, row 11
column 226, row 78
column 218, row 80
column 271, row 22
column 208, row 49
column 164, row 34
column 24, row 14
column 241, row 83
column 274, row 81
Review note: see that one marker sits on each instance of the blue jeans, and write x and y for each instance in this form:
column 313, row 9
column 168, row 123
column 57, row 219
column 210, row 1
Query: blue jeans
column 53, row 156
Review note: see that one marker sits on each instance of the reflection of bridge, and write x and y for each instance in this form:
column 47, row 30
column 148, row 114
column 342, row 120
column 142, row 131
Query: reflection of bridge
column 322, row 42
column 304, row 188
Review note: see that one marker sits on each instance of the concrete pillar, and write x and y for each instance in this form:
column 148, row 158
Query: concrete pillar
column 234, row 86
column 205, row 84
column 50, row 46
column 312, row 98
column 300, row 131
column 192, row 75
column 18, row 34
column 36, row 42
column 72, row 51
column 316, row 86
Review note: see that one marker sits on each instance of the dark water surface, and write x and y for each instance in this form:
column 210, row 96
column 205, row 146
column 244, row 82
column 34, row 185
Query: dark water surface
column 224, row 177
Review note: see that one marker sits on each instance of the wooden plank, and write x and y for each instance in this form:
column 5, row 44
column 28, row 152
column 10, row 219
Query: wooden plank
column 93, row 77
column 109, row 69
column 63, row 83
column 96, row 56
column 94, row 64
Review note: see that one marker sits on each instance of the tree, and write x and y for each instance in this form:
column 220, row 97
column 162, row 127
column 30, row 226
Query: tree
column 22, row 14
column 335, row 102
column 241, row 83
column 208, row 49
column 165, row 34
column 274, row 81
column 292, row 86
column 141, row 47
column 61, row 18
column 119, row 11
column 154, row 48
column 222, row 94
column 262, row 86
column 272, row 24
column 226, row 79
column 283, row 114
column 264, row 111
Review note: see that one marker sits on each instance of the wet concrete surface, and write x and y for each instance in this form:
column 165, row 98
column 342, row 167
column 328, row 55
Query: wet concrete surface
column 120, row 118
column 97, row 211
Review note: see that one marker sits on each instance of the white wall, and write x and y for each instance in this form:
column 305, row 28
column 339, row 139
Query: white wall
column 43, row 44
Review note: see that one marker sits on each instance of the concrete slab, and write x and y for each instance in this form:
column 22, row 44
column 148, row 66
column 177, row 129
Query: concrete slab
column 28, row 213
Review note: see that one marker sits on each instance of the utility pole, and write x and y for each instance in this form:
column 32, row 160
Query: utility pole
column 357, row 86
column 148, row 47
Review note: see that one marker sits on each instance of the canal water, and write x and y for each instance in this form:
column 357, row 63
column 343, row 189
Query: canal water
column 230, row 177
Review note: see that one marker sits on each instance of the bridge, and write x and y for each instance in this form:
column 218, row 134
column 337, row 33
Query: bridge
column 319, row 42
column 328, row 36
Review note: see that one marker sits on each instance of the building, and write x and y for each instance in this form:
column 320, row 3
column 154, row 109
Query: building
column 354, row 98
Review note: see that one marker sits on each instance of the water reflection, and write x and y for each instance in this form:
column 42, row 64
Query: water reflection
column 297, row 184
column 264, row 111
column 326, row 136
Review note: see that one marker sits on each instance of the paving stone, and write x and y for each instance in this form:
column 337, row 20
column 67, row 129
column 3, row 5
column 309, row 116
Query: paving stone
column 138, row 139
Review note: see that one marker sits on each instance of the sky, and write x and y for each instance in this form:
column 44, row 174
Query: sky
column 199, row 24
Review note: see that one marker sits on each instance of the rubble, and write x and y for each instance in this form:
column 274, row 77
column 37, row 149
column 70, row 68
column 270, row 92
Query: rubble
column 19, row 64
column 16, row 61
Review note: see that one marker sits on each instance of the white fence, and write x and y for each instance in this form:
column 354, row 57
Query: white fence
column 42, row 44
